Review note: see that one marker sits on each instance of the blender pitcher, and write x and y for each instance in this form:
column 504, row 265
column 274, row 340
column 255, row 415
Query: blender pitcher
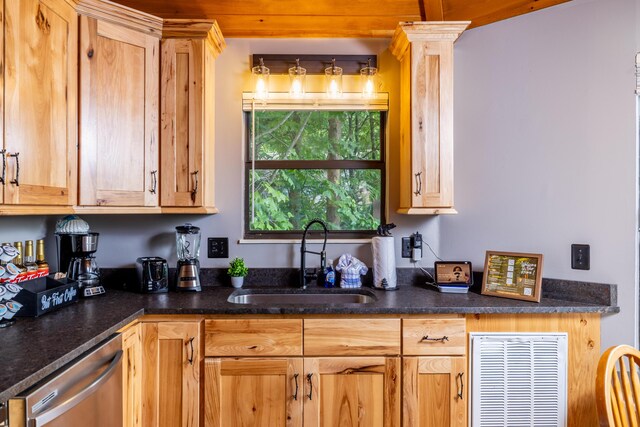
column 188, row 245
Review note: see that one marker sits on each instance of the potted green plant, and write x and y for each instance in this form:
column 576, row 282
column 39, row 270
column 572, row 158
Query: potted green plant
column 237, row 270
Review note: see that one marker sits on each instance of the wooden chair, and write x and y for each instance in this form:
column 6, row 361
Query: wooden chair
column 618, row 387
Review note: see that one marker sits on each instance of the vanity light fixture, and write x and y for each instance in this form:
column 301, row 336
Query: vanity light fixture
column 297, row 77
column 260, row 76
column 299, row 65
column 368, row 77
column 333, row 79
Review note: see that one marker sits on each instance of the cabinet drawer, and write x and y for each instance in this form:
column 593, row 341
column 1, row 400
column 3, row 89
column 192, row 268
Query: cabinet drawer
column 432, row 337
column 253, row 337
column 351, row 337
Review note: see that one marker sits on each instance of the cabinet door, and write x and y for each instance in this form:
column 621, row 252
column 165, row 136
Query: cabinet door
column 132, row 377
column 119, row 85
column 40, row 116
column 434, row 392
column 182, row 120
column 432, row 124
column 355, row 391
column 253, row 392
column 171, row 376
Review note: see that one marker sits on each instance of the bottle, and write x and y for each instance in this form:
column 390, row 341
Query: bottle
column 17, row 261
column 29, row 257
column 42, row 264
column 329, row 275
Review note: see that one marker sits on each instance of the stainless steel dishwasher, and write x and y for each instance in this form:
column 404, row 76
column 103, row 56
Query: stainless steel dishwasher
column 87, row 392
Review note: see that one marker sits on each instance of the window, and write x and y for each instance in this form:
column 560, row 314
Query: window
column 312, row 160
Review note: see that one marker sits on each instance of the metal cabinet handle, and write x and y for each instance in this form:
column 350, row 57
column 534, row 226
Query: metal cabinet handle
column 309, row 377
column 441, row 339
column 4, row 166
column 192, row 353
column 195, row 187
column 54, row 413
column 295, row 395
column 154, row 182
column 418, row 184
column 16, row 181
column 460, row 385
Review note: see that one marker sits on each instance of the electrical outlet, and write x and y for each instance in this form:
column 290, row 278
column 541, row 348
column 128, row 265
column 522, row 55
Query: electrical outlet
column 406, row 247
column 218, row 247
column 416, row 247
column 580, row 257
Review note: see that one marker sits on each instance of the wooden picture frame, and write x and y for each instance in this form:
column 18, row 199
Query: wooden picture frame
column 513, row 275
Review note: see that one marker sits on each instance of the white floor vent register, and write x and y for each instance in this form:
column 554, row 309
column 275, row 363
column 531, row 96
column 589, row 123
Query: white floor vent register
column 518, row 380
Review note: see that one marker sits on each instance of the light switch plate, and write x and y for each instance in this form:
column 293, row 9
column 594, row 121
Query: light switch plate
column 218, row 247
column 580, row 257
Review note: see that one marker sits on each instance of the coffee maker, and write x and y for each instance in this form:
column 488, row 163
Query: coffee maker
column 83, row 267
column 76, row 248
column 188, row 246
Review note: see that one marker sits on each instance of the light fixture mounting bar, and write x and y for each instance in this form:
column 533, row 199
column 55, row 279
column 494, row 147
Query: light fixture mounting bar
column 315, row 64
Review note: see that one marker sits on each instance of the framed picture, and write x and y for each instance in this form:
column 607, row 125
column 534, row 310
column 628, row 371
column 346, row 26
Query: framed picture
column 512, row 275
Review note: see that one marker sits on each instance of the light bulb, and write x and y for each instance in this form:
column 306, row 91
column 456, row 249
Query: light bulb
column 296, row 88
column 261, row 88
column 368, row 77
column 333, row 79
column 296, row 76
column 368, row 89
column 334, row 90
column 260, row 75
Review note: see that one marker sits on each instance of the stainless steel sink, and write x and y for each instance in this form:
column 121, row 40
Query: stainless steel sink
column 288, row 297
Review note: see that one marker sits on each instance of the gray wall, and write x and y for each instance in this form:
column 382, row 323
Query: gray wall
column 543, row 102
column 545, row 145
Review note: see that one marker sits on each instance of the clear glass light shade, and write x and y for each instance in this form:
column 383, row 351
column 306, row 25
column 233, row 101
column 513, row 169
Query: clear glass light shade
column 260, row 79
column 368, row 79
column 333, row 81
column 297, row 76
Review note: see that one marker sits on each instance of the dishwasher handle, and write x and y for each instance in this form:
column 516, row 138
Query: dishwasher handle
column 67, row 405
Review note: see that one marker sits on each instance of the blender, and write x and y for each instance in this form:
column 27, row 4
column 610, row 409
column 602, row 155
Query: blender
column 188, row 244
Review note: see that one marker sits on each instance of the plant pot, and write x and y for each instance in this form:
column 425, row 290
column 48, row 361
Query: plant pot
column 237, row 282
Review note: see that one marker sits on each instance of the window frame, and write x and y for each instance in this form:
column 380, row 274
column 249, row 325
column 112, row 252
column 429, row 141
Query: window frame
column 380, row 165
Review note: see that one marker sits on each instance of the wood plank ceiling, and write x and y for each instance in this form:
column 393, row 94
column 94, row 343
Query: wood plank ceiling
column 333, row 18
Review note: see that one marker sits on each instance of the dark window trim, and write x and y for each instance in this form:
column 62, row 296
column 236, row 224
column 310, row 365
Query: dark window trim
column 317, row 164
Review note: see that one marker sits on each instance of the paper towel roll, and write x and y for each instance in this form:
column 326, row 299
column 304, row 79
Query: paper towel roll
column 384, row 261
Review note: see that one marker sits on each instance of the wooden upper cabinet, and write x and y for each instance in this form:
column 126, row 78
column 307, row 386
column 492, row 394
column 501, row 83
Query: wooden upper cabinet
column 425, row 52
column 119, row 105
column 187, row 90
column 40, row 108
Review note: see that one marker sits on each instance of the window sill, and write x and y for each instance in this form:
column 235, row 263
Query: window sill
column 298, row 241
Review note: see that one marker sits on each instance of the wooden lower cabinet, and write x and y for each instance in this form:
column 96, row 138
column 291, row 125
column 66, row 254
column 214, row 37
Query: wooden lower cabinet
column 434, row 392
column 352, row 391
column 171, row 377
column 292, row 392
column 132, row 376
column 253, row 392
column 271, row 371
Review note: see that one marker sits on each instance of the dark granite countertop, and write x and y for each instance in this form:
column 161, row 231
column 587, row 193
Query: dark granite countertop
column 35, row 347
